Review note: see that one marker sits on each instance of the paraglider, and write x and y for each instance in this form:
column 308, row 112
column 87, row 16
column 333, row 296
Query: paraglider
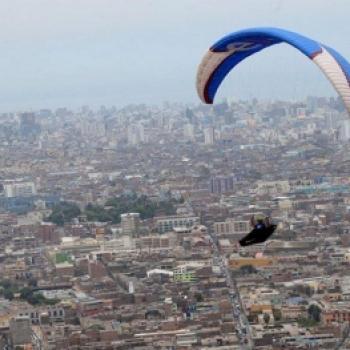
column 262, row 230
column 229, row 51
column 235, row 47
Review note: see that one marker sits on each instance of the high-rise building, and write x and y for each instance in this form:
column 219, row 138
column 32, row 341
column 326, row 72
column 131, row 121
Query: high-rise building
column 345, row 130
column 132, row 135
column 142, row 133
column 189, row 132
column 28, row 125
column 209, row 136
column 130, row 223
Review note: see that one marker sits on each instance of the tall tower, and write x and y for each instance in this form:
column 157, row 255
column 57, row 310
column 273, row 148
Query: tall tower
column 29, row 128
column 209, row 136
column 189, row 131
column 345, row 130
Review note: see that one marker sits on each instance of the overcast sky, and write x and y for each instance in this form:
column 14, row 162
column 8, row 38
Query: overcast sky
column 115, row 52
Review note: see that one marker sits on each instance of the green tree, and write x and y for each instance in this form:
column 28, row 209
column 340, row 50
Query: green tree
column 63, row 212
column 116, row 206
column 6, row 284
column 247, row 269
column 277, row 314
column 309, row 291
column 267, row 318
column 199, row 297
column 8, row 294
column 25, row 293
column 97, row 327
column 314, row 312
column 306, row 322
column 32, row 282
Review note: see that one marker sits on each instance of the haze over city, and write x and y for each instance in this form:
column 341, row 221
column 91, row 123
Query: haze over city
column 166, row 186
column 72, row 53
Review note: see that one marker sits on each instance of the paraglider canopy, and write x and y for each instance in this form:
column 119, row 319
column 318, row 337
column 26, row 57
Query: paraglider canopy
column 230, row 50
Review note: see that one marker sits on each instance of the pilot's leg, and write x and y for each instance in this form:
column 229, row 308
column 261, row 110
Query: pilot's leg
column 265, row 234
column 249, row 239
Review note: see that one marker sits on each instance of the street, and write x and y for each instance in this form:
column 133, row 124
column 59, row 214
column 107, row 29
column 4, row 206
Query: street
column 242, row 323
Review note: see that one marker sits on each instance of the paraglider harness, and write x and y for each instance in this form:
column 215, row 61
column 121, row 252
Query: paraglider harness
column 262, row 230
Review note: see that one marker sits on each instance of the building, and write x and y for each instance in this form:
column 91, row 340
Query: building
column 209, row 136
column 136, row 134
column 168, row 223
column 157, row 242
column 28, row 126
column 339, row 313
column 20, row 330
column 232, row 227
column 237, row 263
column 273, row 187
column 221, row 184
column 225, row 246
column 293, row 312
column 64, row 270
column 183, row 274
column 189, row 132
column 345, row 130
column 96, row 269
column 19, row 189
column 46, row 233
column 124, row 243
column 130, row 223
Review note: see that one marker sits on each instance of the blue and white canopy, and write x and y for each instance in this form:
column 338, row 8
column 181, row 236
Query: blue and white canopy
column 229, row 51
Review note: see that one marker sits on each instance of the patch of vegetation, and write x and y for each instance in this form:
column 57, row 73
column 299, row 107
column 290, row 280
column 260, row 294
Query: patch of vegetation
column 277, row 314
column 307, row 322
column 9, row 289
column 266, row 318
column 116, row 206
column 35, row 298
column 97, row 327
column 248, row 269
column 62, row 257
column 199, row 297
column 314, row 313
column 63, row 212
column 314, row 317
column 113, row 208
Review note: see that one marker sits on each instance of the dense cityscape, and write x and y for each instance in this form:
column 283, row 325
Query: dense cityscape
column 119, row 228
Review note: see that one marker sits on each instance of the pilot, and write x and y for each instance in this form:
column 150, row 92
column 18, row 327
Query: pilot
column 262, row 230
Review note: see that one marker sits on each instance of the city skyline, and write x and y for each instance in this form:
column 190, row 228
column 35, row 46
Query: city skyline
column 124, row 227
column 64, row 54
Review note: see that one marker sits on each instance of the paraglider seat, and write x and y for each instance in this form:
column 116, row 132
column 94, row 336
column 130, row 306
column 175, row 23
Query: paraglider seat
column 262, row 230
column 258, row 235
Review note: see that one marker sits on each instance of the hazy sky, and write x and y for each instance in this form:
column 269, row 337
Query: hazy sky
column 115, row 52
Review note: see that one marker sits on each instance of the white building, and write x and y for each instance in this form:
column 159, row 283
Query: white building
column 19, row 189
column 168, row 223
column 273, row 187
column 133, row 136
column 209, row 136
column 124, row 243
column 345, row 130
column 189, row 132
